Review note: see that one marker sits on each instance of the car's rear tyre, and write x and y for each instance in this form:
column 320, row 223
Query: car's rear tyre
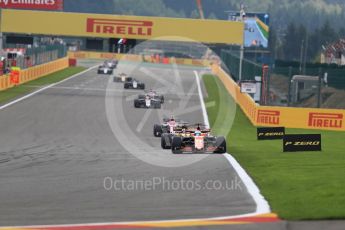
column 221, row 145
column 136, row 104
column 162, row 99
column 164, row 144
column 157, row 130
column 126, row 86
column 142, row 86
column 157, row 105
column 176, row 145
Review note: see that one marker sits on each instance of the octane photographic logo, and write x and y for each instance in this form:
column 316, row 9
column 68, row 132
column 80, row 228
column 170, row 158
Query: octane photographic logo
column 181, row 84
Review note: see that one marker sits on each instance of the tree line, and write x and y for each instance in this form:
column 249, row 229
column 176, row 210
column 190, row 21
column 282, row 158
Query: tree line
column 298, row 42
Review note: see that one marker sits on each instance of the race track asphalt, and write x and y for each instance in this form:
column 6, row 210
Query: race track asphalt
column 62, row 149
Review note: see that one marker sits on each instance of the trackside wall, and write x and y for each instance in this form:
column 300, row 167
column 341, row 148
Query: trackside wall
column 303, row 118
column 33, row 73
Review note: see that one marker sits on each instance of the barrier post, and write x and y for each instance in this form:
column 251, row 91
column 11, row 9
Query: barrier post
column 268, row 86
column 289, row 92
column 319, row 89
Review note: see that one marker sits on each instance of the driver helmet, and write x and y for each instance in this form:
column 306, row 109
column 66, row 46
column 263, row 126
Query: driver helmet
column 197, row 131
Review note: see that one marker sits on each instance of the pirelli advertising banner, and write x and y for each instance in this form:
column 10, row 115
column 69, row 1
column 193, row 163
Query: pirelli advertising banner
column 306, row 118
column 130, row 27
column 32, row 4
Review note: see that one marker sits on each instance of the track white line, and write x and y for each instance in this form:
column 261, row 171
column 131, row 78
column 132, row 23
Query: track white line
column 44, row 88
column 201, row 97
column 262, row 205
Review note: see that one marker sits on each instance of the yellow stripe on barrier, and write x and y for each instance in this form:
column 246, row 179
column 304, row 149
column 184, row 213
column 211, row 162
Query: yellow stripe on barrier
column 246, row 103
column 262, row 24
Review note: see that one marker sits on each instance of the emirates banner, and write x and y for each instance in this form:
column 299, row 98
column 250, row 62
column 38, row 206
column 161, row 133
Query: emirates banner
column 32, row 4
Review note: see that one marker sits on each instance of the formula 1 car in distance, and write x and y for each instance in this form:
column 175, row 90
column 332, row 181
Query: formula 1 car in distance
column 153, row 94
column 122, row 77
column 112, row 64
column 193, row 141
column 168, row 126
column 104, row 69
column 179, row 129
column 183, row 129
column 147, row 102
column 134, row 84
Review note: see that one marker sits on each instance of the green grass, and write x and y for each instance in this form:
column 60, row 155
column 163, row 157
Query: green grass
column 20, row 90
column 298, row 186
column 264, row 32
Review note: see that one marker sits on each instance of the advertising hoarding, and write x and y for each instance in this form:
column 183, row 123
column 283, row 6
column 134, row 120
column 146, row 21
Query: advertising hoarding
column 32, row 4
column 120, row 26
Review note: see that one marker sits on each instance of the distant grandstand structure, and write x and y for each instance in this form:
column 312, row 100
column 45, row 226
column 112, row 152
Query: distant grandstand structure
column 334, row 53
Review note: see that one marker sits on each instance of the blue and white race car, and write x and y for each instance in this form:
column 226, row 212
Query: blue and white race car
column 104, row 69
column 134, row 84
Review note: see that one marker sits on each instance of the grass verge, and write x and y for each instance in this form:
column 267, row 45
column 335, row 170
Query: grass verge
column 298, row 186
column 264, row 32
column 20, row 90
